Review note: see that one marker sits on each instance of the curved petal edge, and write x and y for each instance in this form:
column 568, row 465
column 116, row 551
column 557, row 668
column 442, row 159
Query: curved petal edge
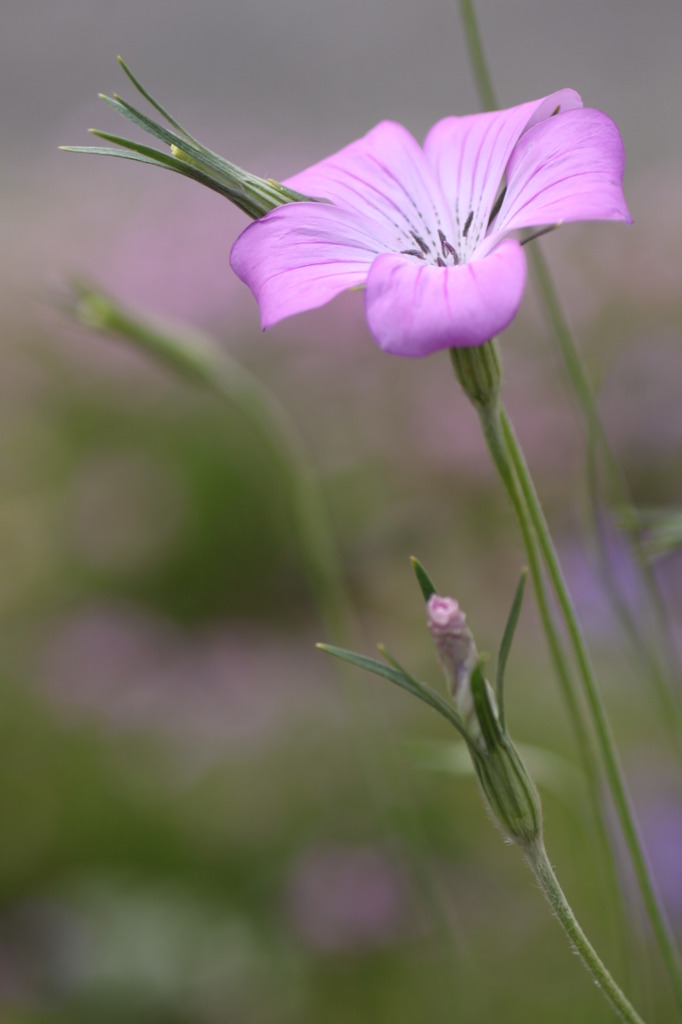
column 414, row 309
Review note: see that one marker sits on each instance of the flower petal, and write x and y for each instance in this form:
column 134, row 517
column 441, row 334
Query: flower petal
column 385, row 177
column 568, row 168
column 469, row 156
column 302, row 255
column 414, row 309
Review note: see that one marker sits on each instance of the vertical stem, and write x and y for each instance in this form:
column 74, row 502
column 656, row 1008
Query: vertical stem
column 670, row 704
column 660, row 926
column 548, row 882
column 620, row 492
column 491, row 425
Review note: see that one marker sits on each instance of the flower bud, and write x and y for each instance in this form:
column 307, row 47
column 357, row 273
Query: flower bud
column 508, row 789
column 456, row 649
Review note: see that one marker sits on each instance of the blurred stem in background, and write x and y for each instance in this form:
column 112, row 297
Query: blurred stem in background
column 657, row 654
column 198, row 358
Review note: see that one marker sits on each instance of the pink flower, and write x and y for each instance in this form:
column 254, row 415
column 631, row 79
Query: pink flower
column 423, row 230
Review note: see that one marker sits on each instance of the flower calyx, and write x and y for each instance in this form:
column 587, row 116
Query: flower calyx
column 479, row 372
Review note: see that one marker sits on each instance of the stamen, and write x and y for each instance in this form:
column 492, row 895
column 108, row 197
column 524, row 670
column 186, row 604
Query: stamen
column 467, row 224
column 447, row 248
column 412, row 252
column 420, row 242
column 440, row 262
column 555, row 111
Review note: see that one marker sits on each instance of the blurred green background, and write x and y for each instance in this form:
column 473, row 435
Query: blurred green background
column 202, row 820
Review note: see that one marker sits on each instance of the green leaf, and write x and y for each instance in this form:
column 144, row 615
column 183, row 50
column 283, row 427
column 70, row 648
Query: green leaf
column 423, row 579
column 157, row 106
column 400, row 678
column 507, row 639
column 131, row 150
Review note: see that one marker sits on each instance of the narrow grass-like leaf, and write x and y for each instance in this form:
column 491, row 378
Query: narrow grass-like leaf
column 393, row 661
column 147, row 124
column 226, row 173
column 145, row 154
column 425, row 582
column 401, row 679
column 507, row 639
column 157, row 106
column 189, row 170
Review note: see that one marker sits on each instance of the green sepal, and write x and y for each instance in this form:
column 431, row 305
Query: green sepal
column 486, row 715
column 254, row 195
column 154, row 103
column 505, row 645
column 425, row 582
column 397, row 675
column 131, row 150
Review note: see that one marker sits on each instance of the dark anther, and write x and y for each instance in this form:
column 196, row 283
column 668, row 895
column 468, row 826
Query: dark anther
column 555, row 111
column 447, row 249
column 412, row 252
column 467, row 223
column 440, row 262
column 420, row 242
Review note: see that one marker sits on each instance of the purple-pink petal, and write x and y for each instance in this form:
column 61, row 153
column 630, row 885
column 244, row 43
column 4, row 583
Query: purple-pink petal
column 566, row 169
column 469, row 155
column 385, row 177
column 302, row 255
column 414, row 308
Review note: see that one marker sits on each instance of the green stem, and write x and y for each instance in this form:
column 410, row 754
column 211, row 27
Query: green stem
column 620, row 492
column 198, row 358
column 605, row 741
column 492, row 430
column 548, row 882
column 583, row 392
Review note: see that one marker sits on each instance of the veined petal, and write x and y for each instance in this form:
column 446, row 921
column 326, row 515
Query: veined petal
column 385, row 177
column 469, row 156
column 302, row 255
column 569, row 168
column 414, row 308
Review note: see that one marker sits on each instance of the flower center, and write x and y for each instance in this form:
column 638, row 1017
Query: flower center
column 445, row 256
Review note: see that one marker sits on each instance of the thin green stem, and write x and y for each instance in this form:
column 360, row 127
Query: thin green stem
column 581, row 387
column 491, row 425
column 548, row 882
column 618, row 485
column 656, row 914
